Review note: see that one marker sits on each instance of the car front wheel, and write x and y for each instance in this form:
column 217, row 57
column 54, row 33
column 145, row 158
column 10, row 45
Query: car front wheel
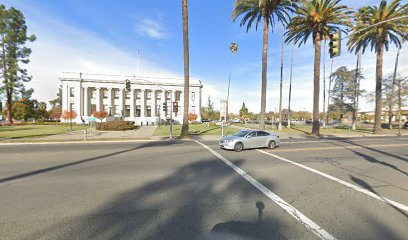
column 271, row 144
column 238, row 147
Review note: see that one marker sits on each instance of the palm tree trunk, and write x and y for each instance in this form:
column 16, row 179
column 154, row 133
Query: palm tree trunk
column 324, row 83
column 378, row 89
column 316, row 89
column 264, row 73
column 184, row 129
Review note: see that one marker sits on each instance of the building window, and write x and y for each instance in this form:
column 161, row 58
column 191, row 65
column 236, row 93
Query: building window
column 149, row 95
column 116, row 93
column 138, row 111
column 116, row 110
column 148, row 111
column 193, row 109
column 72, row 92
column 127, row 95
column 93, row 108
column 71, row 107
column 158, row 109
column 105, row 108
column 168, row 94
column 158, row 95
column 93, row 93
column 193, row 96
column 105, row 93
column 138, row 94
column 127, row 111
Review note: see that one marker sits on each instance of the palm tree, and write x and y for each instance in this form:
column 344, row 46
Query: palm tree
column 378, row 27
column 317, row 18
column 234, row 49
column 268, row 11
column 184, row 128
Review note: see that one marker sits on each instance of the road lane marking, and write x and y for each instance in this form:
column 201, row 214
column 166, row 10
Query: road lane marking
column 347, row 184
column 350, row 140
column 316, row 229
column 341, row 147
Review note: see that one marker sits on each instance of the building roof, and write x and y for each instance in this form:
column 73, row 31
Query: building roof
column 134, row 79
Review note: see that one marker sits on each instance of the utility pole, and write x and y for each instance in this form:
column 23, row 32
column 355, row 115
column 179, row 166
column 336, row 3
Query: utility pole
column 324, row 84
column 281, row 79
column 399, row 90
column 328, row 97
column 356, row 91
column 137, row 62
column 290, row 84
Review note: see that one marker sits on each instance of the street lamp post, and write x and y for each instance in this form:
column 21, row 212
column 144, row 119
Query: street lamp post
column 234, row 49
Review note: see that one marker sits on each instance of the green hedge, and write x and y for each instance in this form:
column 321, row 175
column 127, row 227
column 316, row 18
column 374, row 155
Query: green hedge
column 116, row 126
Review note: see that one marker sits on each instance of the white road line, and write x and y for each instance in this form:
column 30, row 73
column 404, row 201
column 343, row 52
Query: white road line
column 353, row 140
column 316, row 229
column 347, row 184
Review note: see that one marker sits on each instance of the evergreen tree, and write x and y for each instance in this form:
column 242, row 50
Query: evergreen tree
column 13, row 54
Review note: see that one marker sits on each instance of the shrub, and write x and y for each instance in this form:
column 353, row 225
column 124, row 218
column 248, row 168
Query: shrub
column 67, row 115
column 116, row 126
column 100, row 114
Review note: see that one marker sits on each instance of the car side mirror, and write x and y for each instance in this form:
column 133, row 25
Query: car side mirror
column 248, row 136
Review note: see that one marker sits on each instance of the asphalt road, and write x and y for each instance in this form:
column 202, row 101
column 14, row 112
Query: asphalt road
column 310, row 189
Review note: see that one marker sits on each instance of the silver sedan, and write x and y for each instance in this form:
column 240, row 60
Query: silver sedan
column 246, row 139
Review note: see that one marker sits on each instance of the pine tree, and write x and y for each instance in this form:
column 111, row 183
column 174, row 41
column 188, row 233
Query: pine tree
column 13, row 54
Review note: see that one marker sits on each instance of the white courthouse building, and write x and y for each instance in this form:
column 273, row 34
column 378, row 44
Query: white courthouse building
column 143, row 104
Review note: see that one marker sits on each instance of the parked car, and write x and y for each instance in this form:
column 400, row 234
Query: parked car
column 246, row 139
column 236, row 121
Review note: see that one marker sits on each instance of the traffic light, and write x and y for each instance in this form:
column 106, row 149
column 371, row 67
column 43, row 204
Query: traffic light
column 335, row 44
column 127, row 83
column 164, row 107
column 175, row 107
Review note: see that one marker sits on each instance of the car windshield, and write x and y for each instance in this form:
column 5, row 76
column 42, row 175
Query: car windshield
column 241, row 133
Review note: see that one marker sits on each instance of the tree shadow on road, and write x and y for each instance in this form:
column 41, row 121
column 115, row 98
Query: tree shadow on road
column 70, row 164
column 367, row 186
column 184, row 205
column 372, row 159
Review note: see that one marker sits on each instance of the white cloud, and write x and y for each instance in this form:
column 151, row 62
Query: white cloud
column 75, row 50
column 151, row 28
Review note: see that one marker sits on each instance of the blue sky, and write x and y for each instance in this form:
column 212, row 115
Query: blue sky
column 101, row 36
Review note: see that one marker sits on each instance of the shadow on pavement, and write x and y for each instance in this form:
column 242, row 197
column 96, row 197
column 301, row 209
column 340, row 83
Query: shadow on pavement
column 370, row 158
column 188, row 204
column 367, row 186
column 45, row 170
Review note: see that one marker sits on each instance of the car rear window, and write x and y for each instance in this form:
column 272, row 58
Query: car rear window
column 262, row 134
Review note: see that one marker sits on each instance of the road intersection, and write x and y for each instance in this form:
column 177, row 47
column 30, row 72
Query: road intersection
column 353, row 188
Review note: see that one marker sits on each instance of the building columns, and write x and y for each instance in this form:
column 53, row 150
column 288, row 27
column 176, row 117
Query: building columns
column 154, row 103
column 142, row 103
column 110, row 101
column 121, row 102
column 86, row 101
column 98, row 99
column 132, row 103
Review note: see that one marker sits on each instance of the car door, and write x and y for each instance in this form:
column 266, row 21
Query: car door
column 261, row 139
column 250, row 140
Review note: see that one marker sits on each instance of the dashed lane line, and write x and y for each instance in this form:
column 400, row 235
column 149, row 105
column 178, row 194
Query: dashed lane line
column 316, row 229
column 347, row 184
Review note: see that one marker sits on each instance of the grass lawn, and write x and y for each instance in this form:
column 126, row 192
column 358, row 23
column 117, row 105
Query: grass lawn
column 35, row 131
column 306, row 130
column 195, row 130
